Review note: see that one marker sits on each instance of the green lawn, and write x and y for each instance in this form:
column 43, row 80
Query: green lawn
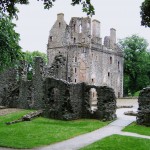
column 41, row 131
column 137, row 129
column 118, row 142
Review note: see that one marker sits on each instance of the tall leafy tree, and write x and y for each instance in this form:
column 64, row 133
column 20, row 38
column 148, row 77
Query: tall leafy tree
column 9, row 6
column 145, row 13
column 10, row 51
column 136, row 63
column 29, row 58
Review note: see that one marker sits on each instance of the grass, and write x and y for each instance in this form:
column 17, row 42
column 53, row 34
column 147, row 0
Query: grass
column 136, row 93
column 137, row 129
column 118, row 142
column 41, row 131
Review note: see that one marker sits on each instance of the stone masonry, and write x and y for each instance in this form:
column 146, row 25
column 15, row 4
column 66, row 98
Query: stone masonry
column 143, row 116
column 59, row 99
column 76, row 54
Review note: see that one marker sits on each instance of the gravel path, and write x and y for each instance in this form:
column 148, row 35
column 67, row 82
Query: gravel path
column 8, row 111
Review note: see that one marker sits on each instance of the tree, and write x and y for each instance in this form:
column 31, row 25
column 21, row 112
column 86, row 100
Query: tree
column 9, row 6
column 10, row 51
column 29, row 58
column 145, row 13
column 136, row 63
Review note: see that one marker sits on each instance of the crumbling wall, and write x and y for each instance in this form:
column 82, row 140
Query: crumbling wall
column 106, row 103
column 25, row 95
column 37, row 84
column 62, row 100
column 59, row 98
column 8, row 87
column 58, row 68
column 143, row 116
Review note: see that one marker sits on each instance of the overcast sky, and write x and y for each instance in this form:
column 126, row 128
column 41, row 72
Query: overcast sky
column 35, row 22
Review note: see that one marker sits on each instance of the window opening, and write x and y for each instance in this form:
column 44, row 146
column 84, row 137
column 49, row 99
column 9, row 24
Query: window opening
column 108, row 74
column 51, row 38
column 74, row 40
column 59, row 24
column 75, row 70
column 75, row 59
column 110, row 60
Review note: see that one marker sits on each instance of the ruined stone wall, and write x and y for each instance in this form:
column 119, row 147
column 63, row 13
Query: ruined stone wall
column 143, row 116
column 67, row 101
column 8, row 83
column 106, row 103
column 62, row 100
column 58, row 98
column 37, row 84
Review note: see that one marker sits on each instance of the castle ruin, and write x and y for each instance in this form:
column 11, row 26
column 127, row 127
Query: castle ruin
column 76, row 54
column 81, row 80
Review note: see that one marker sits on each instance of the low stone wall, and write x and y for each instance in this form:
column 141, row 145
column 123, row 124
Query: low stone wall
column 143, row 116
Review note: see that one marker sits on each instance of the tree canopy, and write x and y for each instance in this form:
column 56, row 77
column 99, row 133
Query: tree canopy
column 136, row 63
column 10, row 51
column 9, row 6
column 145, row 13
column 29, row 58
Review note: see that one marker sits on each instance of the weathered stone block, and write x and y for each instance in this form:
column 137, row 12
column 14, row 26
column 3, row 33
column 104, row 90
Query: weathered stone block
column 143, row 116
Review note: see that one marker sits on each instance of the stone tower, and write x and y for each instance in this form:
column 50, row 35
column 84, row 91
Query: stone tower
column 76, row 54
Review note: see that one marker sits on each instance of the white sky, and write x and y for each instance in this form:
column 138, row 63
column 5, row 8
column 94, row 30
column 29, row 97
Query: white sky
column 35, row 22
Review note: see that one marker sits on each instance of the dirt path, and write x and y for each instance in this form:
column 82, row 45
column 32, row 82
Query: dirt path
column 8, row 111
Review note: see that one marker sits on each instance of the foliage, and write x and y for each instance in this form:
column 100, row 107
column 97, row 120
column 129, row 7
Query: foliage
column 137, row 129
column 118, row 142
column 42, row 131
column 145, row 13
column 136, row 63
column 9, row 6
column 29, row 58
column 10, row 51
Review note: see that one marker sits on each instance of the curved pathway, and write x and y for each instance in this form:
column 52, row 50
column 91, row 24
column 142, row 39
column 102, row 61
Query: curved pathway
column 113, row 128
column 83, row 140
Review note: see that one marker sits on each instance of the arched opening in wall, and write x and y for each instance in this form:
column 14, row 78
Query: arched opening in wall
column 93, row 99
column 67, row 107
column 110, row 60
column 74, row 40
column 80, row 28
column 53, row 100
column 53, row 94
column 51, row 38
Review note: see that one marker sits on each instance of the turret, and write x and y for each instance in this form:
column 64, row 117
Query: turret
column 112, row 37
column 60, row 16
column 96, row 28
